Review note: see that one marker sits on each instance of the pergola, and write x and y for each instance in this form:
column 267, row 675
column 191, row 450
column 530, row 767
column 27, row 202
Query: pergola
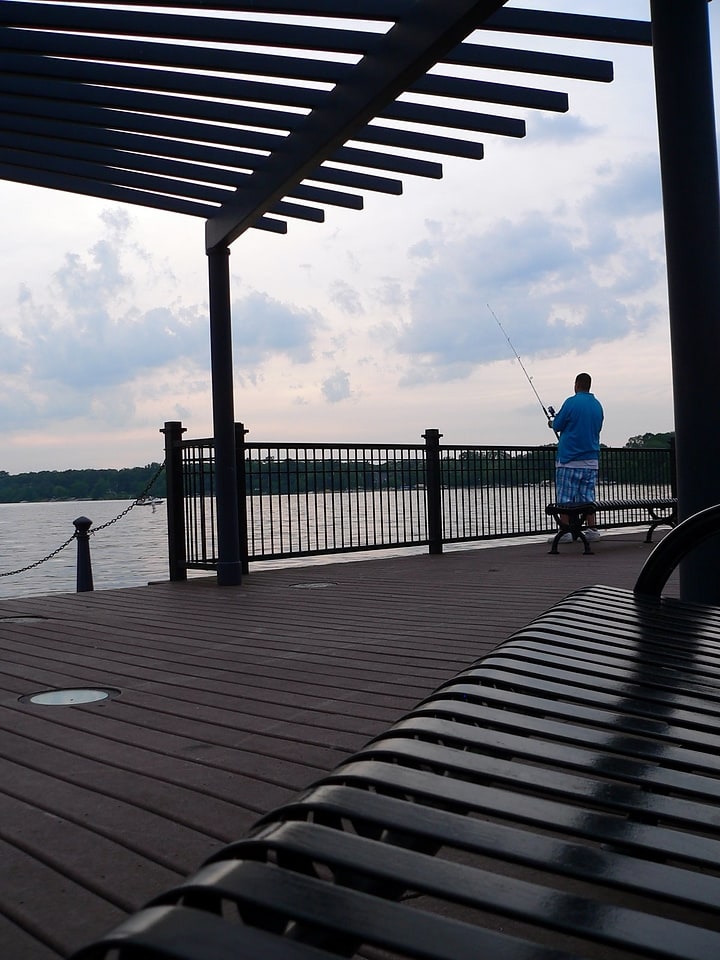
column 250, row 114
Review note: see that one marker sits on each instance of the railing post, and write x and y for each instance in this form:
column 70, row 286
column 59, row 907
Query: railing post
column 177, row 554
column 673, row 467
column 240, row 432
column 433, row 491
column 84, row 566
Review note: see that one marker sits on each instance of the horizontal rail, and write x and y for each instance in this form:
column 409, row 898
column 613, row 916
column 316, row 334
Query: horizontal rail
column 306, row 499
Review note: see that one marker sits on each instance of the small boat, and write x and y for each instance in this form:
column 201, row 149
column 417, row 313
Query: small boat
column 148, row 501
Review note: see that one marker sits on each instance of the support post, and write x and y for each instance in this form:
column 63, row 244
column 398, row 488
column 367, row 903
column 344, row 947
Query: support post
column 177, row 552
column 433, row 490
column 673, row 467
column 84, row 579
column 229, row 569
column 691, row 204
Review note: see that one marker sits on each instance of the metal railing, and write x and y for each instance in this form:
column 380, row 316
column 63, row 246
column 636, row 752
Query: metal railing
column 493, row 492
column 300, row 500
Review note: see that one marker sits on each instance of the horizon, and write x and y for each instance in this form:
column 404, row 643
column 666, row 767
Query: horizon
column 390, row 444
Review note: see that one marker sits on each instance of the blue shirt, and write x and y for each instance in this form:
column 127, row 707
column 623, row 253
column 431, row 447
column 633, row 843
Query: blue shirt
column 578, row 421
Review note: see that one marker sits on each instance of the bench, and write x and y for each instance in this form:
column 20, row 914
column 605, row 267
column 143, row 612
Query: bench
column 577, row 512
column 559, row 799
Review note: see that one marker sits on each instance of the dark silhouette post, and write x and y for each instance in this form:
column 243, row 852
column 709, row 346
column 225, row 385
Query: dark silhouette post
column 673, row 467
column 691, row 204
column 433, row 490
column 177, row 553
column 229, row 568
column 84, row 565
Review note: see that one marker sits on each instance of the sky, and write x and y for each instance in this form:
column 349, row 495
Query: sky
column 375, row 325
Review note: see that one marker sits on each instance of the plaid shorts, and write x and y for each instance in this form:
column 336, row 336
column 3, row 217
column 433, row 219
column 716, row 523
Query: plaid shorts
column 575, row 484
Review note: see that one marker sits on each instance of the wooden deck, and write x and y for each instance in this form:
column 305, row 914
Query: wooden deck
column 231, row 700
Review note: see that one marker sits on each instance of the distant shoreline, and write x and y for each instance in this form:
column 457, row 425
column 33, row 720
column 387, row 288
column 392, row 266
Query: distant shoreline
column 67, row 486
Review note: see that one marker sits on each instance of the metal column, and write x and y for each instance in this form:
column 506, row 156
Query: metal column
column 229, row 569
column 691, row 202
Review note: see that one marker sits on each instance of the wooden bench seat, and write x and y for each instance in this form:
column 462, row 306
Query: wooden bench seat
column 558, row 799
column 577, row 512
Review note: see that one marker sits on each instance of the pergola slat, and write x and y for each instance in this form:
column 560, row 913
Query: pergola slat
column 203, row 29
column 132, row 78
column 105, row 191
column 530, row 61
column 215, row 61
column 571, row 26
column 463, row 88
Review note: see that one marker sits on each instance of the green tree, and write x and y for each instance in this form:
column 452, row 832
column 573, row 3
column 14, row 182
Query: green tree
column 655, row 441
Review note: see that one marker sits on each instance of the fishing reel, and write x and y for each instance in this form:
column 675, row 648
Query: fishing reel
column 551, row 419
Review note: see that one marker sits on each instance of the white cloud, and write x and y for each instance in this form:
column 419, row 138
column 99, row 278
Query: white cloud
column 347, row 298
column 264, row 326
column 336, row 387
column 110, row 313
column 557, row 283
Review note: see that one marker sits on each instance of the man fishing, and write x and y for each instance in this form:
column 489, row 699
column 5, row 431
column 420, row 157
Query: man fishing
column 578, row 423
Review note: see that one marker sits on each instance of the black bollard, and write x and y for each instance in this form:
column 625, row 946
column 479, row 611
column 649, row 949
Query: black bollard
column 84, row 566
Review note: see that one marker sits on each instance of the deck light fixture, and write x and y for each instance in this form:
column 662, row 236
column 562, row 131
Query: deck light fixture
column 313, row 585
column 70, row 697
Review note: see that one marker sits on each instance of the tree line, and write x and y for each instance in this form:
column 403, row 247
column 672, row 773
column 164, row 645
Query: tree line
column 476, row 466
column 127, row 483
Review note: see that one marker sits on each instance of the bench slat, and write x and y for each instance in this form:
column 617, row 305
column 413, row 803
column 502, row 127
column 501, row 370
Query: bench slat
column 583, row 756
column 533, row 809
column 608, row 792
column 390, row 925
column 366, row 809
column 636, row 698
column 177, row 934
column 569, row 730
column 350, row 914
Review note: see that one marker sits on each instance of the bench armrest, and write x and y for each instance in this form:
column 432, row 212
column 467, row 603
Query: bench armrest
column 674, row 547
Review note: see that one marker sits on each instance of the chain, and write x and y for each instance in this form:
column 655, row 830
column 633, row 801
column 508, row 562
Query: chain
column 133, row 504
column 31, row 566
column 37, row 563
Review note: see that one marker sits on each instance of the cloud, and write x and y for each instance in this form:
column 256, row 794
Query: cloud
column 346, row 298
column 264, row 327
column 390, row 292
column 632, row 189
column 114, row 313
column 563, row 129
column 336, row 387
column 95, row 345
column 584, row 276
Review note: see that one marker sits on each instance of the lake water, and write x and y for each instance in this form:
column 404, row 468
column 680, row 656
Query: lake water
column 129, row 553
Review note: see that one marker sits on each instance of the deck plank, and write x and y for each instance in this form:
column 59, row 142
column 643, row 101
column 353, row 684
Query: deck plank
column 232, row 700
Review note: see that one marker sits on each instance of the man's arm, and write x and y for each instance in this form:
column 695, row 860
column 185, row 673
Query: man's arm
column 560, row 419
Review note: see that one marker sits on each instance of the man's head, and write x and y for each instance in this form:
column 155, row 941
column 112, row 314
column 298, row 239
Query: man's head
column 583, row 382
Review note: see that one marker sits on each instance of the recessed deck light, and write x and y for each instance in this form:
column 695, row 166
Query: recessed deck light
column 70, row 697
column 313, row 585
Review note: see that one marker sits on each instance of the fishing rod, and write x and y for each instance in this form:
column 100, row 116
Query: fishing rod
column 548, row 411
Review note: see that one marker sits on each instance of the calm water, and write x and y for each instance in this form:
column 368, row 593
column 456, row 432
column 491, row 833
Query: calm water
column 129, row 553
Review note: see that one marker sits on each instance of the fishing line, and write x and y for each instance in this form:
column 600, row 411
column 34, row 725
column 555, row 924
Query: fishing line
column 548, row 411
